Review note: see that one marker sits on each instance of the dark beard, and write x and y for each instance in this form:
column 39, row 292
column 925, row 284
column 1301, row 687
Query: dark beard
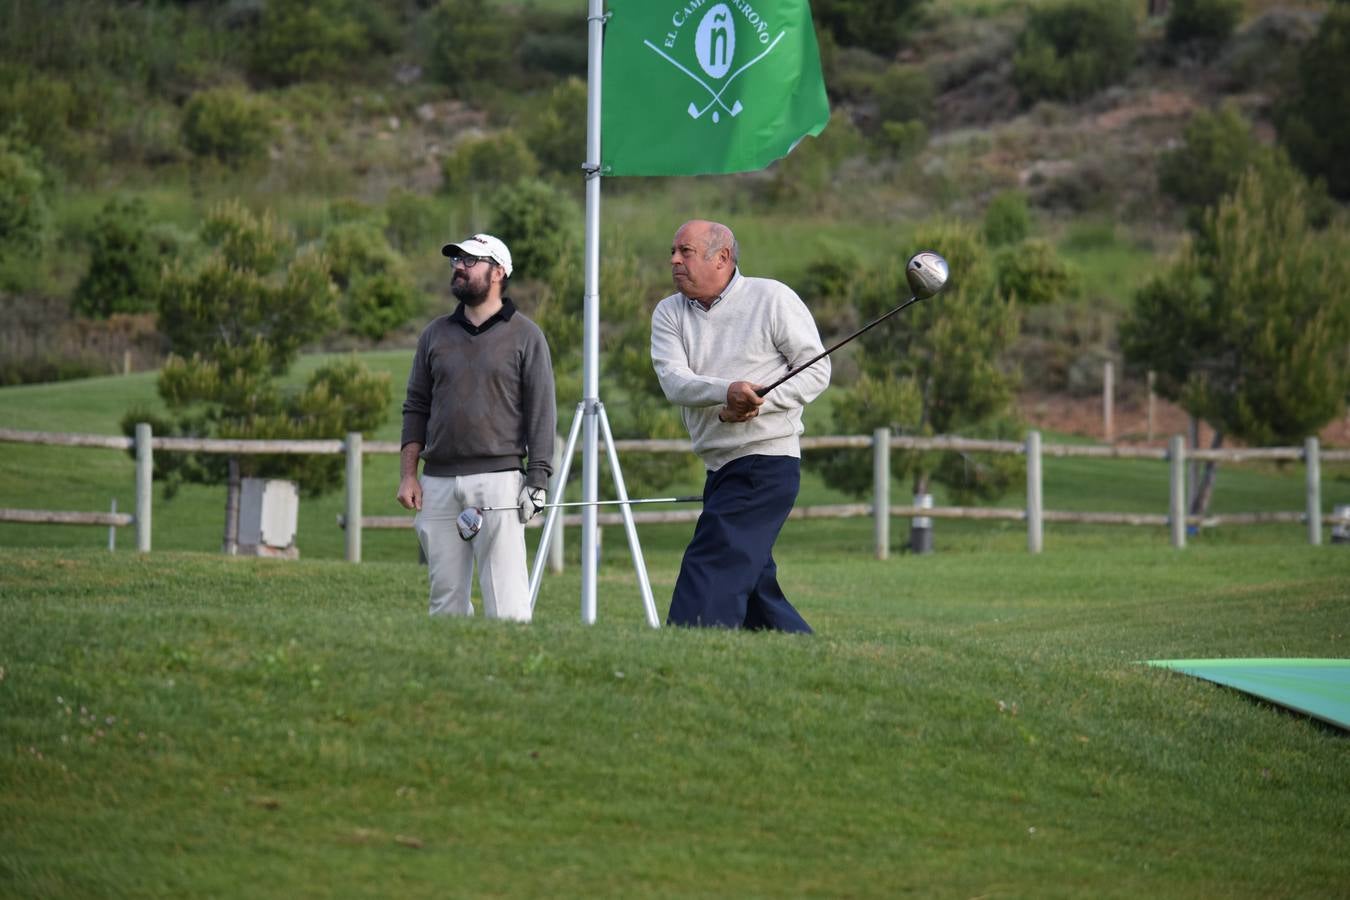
column 467, row 292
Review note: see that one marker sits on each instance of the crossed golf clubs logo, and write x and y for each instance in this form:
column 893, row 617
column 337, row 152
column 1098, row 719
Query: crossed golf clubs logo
column 735, row 109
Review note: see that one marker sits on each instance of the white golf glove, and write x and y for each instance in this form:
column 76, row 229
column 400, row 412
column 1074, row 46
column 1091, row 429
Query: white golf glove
column 531, row 500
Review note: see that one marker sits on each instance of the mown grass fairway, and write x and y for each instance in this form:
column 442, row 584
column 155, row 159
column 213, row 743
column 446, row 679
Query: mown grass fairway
column 965, row 724
column 971, row 723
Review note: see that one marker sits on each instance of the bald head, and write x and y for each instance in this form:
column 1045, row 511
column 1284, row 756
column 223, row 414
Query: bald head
column 703, row 259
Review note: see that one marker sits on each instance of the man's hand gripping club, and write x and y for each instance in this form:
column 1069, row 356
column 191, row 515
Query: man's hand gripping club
column 742, row 402
column 531, row 500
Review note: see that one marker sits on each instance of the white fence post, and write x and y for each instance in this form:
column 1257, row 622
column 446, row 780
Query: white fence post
column 112, row 529
column 1176, row 495
column 1108, row 402
column 1313, row 461
column 145, row 472
column 354, row 487
column 1035, row 498
column 881, row 492
column 230, row 546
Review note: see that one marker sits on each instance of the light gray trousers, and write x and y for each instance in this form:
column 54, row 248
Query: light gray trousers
column 498, row 549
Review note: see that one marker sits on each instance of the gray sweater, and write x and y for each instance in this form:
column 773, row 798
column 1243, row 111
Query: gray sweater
column 482, row 402
column 758, row 331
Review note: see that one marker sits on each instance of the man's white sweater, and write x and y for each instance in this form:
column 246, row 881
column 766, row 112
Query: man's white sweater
column 758, row 331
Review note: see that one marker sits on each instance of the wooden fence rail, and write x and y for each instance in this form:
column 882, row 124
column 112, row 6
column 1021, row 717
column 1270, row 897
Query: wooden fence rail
column 144, row 443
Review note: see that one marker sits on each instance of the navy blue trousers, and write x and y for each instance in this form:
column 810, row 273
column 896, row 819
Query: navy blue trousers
column 728, row 577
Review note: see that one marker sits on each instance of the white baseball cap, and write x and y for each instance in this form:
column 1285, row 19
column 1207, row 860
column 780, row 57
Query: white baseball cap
column 481, row 245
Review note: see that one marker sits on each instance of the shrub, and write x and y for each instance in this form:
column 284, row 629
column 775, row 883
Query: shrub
column 472, row 42
column 874, row 24
column 1203, row 21
column 52, row 114
column 938, row 370
column 414, row 221
column 378, row 294
column 827, row 287
column 538, row 223
column 903, row 140
column 1315, row 122
column 246, row 241
column 904, row 93
column 556, row 134
column 1217, row 147
column 1033, row 274
column 851, row 73
column 554, row 45
column 228, row 125
column 306, row 39
column 52, row 367
column 803, row 177
column 488, row 162
column 357, row 248
column 1007, row 219
column 23, row 200
column 377, row 304
column 1072, row 49
column 124, row 263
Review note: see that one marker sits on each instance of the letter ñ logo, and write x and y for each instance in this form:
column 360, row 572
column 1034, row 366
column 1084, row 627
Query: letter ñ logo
column 715, row 48
column 715, row 42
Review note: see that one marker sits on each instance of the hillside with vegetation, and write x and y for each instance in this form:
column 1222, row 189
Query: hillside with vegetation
column 1076, row 160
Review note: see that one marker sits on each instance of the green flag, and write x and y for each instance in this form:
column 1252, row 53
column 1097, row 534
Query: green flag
column 694, row 87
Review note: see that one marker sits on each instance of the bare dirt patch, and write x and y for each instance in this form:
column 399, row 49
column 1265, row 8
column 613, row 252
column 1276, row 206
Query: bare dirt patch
column 1083, row 416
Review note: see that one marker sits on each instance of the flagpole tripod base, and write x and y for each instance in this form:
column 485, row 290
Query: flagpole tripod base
column 597, row 409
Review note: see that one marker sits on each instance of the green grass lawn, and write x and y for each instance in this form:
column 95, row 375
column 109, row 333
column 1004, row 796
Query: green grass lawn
column 972, row 723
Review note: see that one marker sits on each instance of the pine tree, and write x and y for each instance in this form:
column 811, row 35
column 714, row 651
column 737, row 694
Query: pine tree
column 937, row 368
column 1249, row 330
column 236, row 323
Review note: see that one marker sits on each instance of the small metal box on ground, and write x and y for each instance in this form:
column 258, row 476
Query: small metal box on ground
column 268, row 513
column 1340, row 532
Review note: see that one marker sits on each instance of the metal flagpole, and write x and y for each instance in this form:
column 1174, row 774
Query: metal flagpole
column 590, row 416
column 595, row 25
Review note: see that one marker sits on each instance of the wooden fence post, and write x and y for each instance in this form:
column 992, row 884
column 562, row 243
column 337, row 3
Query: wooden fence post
column 354, row 488
column 1152, row 400
column 112, row 529
column 1035, row 497
column 145, row 470
column 1176, row 495
column 1313, row 462
column 881, row 492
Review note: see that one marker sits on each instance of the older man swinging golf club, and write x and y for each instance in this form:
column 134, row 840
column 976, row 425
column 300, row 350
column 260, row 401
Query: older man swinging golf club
column 742, row 357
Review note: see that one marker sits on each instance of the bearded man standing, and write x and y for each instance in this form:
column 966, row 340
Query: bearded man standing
column 480, row 414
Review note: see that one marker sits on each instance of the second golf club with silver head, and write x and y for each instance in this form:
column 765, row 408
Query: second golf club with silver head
column 470, row 522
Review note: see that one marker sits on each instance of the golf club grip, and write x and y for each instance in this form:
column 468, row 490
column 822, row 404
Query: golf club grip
column 819, row 356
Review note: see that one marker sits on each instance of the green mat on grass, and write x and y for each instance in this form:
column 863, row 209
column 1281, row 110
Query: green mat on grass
column 1316, row 687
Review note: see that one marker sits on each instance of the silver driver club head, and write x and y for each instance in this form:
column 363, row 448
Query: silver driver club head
column 469, row 523
column 926, row 273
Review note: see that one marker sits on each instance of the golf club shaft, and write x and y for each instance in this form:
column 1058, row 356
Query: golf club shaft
column 818, row 357
column 694, row 499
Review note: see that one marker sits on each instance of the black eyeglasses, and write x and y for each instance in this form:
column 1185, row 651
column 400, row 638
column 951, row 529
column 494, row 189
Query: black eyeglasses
column 467, row 262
